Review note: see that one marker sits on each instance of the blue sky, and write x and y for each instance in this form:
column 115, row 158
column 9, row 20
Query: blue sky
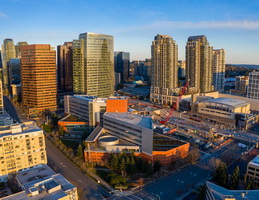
column 229, row 24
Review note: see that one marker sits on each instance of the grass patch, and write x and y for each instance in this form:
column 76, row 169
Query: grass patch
column 71, row 144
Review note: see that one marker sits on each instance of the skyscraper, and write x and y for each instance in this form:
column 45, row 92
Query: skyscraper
column 218, row 69
column 65, row 66
column 122, row 64
column 38, row 73
column 14, row 67
column 164, row 74
column 93, row 65
column 18, row 48
column 8, row 52
column 253, row 86
column 199, row 56
column 181, row 68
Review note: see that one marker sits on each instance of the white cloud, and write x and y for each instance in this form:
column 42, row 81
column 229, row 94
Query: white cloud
column 2, row 15
column 231, row 24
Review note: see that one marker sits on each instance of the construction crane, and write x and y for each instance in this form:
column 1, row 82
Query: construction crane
column 182, row 92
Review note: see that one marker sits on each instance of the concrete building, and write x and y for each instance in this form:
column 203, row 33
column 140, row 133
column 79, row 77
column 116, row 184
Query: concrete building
column 16, row 89
column 199, row 57
column 122, row 64
column 117, row 80
column 215, row 192
column 232, row 113
column 93, row 65
column 127, row 131
column 14, row 66
column 22, row 148
column 65, row 66
column 8, row 52
column 241, row 84
column 142, row 68
column 253, row 86
column 164, row 68
column 252, row 170
column 90, row 109
column 38, row 72
column 218, row 69
column 43, row 183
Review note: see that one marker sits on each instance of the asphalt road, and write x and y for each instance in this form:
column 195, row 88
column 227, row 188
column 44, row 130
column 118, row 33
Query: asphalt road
column 61, row 164
column 12, row 111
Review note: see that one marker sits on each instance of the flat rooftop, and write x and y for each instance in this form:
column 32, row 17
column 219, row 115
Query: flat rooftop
column 228, row 102
column 255, row 161
column 220, row 193
column 131, row 118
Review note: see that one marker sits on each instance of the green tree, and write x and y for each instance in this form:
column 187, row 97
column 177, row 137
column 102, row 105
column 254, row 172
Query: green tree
column 251, row 184
column 221, row 175
column 234, row 181
column 122, row 166
column 114, row 162
column 157, row 166
column 80, row 151
column 61, row 131
column 116, row 179
column 149, row 171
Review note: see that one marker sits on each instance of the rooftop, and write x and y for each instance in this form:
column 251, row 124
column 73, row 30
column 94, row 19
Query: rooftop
column 255, row 161
column 220, row 193
column 131, row 118
column 228, row 102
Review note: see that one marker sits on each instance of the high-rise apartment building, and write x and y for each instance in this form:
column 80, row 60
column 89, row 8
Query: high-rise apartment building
column 8, row 52
column 164, row 68
column 199, row 56
column 38, row 74
column 142, row 68
column 18, row 48
column 122, row 64
column 65, row 66
column 93, row 65
column 253, row 86
column 181, row 68
column 22, row 148
column 218, row 69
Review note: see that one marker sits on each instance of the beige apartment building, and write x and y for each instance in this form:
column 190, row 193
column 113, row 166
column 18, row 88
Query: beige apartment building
column 164, row 73
column 252, row 171
column 199, row 57
column 218, row 69
column 22, row 147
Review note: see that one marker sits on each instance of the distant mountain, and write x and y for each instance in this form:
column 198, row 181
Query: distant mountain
column 245, row 65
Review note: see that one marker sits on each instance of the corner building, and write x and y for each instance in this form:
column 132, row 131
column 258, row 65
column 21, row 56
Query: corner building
column 38, row 75
column 93, row 65
column 199, row 57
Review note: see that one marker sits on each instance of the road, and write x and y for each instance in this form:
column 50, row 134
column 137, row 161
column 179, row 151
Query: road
column 87, row 188
column 61, row 164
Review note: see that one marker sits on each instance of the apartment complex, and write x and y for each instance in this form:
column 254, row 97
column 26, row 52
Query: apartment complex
column 65, row 66
column 122, row 64
column 164, row 52
column 38, row 73
column 93, row 65
column 199, row 56
column 252, row 171
column 22, row 147
column 142, row 68
column 253, row 86
column 218, row 69
column 8, row 52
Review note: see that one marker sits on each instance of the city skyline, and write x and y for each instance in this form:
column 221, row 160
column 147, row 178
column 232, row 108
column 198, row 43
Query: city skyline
column 134, row 24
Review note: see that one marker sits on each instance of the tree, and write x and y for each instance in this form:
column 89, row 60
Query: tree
column 61, row 131
column 235, row 179
column 116, row 179
column 251, row 184
column 80, row 151
column 114, row 162
column 149, row 167
column 122, row 166
column 193, row 156
column 157, row 166
column 221, row 175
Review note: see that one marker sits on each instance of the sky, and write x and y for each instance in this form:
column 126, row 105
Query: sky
column 229, row 24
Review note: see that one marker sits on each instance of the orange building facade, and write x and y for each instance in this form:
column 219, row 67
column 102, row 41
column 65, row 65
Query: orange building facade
column 117, row 105
column 38, row 75
column 165, row 157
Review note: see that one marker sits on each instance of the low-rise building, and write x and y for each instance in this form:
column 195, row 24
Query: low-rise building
column 127, row 131
column 90, row 109
column 215, row 192
column 22, row 147
column 241, row 84
column 43, row 183
column 253, row 86
column 252, row 171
